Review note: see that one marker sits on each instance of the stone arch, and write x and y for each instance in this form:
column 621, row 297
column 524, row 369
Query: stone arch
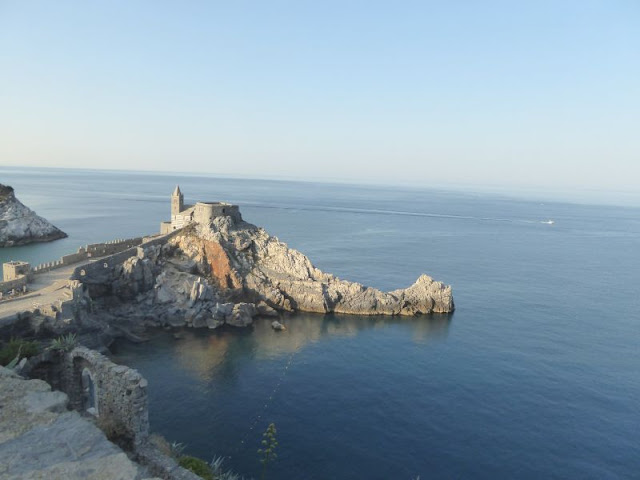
column 84, row 394
column 116, row 395
column 89, row 392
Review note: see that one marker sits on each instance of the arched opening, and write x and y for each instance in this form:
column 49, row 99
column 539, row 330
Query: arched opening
column 89, row 393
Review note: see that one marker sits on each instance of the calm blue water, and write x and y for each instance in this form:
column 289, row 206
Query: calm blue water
column 536, row 375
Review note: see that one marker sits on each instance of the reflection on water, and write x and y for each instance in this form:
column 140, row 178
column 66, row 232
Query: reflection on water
column 537, row 380
column 206, row 354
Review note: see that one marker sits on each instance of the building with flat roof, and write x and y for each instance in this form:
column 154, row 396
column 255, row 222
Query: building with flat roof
column 14, row 270
column 202, row 212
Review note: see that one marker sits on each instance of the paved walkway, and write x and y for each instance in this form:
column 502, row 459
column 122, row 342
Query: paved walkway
column 46, row 289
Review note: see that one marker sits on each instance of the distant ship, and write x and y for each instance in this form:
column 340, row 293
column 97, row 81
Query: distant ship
column 549, row 222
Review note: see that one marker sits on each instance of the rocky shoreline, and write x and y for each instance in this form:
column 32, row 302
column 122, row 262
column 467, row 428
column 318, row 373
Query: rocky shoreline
column 228, row 273
column 19, row 225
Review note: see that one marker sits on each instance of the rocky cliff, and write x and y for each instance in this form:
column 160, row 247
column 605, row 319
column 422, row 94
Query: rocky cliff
column 229, row 272
column 20, row 225
column 247, row 263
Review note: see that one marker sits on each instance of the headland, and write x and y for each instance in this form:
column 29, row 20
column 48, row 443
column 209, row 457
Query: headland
column 19, row 225
column 205, row 269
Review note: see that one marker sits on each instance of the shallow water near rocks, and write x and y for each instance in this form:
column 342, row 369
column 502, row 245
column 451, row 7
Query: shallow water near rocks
column 535, row 375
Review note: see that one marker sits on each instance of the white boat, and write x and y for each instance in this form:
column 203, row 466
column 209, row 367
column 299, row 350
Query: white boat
column 549, row 222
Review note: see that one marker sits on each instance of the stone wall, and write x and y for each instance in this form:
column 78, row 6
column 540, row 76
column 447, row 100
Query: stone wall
column 100, row 268
column 17, row 284
column 165, row 227
column 109, row 249
column 64, row 308
column 89, row 251
column 14, row 270
column 206, row 212
column 115, row 395
column 15, row 276
column 74, row 257
column 47, row 266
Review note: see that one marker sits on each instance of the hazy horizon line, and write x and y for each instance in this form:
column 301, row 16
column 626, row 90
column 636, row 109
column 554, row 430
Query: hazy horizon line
column 573, row 194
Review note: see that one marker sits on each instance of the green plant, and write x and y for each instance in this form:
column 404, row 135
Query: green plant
column 64, row 343
column 18, row 348
column 219, row 473
column 216, row 465
column 197, row 466
column 12, row 364
column 176, row 449
column 268, row 451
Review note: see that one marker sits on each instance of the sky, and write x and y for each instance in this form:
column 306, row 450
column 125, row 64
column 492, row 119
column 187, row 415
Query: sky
column 525, row 94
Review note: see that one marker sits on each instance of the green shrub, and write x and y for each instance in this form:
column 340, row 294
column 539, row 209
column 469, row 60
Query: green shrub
column 197, row 466
column 17, row 347
column 64, row 343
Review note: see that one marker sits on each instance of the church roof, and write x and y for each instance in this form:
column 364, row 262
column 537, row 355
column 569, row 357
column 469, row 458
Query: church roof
column 177, row 191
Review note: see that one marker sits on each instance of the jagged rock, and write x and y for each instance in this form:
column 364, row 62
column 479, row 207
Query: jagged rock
column 265, row 310
column 222, row 310
column 242, row 315
column 228, row 272
column 276, row 325
column 176, row 320
column 267, row 272
column 213, row 323
column 19, row 225
column 39, row 438
column 201, row 291
column 135, row 276
column 243, row 244
column 150, row 252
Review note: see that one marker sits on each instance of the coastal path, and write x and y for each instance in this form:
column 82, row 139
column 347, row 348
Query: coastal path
column 46, row 289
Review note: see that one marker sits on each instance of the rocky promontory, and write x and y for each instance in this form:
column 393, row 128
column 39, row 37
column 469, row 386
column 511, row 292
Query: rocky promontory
column 250, row 264
column 19, row 225
column 229, row 272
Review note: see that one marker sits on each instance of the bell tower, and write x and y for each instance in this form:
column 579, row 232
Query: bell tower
column 177, row 201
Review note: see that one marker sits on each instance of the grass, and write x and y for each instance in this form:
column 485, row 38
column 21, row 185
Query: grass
column 197, row 466
column 18, row 348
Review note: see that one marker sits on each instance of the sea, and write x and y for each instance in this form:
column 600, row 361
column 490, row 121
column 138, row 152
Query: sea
column 536, row 375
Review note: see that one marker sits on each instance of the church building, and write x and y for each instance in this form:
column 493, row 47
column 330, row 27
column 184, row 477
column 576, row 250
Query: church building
column 202, row 212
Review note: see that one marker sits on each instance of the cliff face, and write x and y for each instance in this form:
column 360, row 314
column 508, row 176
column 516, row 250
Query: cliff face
column 20, row 225
column 228, row 272
column 249, row 264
